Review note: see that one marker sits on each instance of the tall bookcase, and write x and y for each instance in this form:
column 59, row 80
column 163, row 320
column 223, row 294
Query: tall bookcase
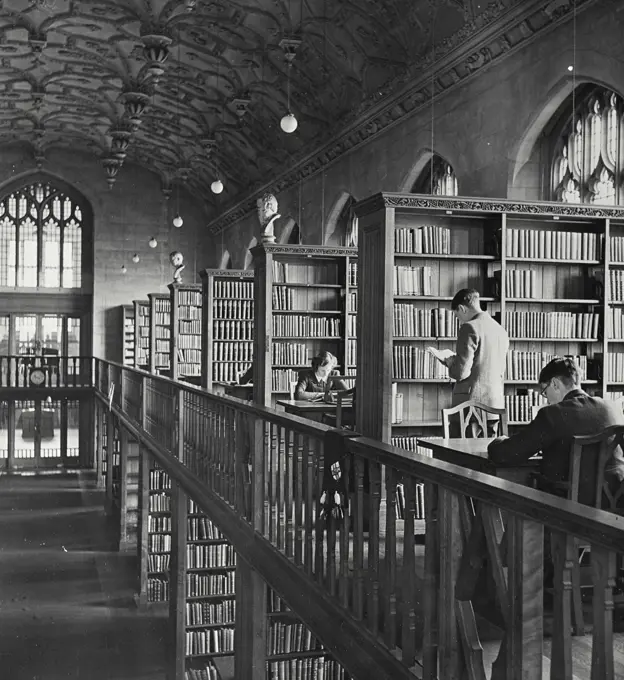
column 186, row 331
column 539, row 267
column 126, row 325
column 156, row 544
column 141, row 334
column 301, row 297
column 160, row 333
column 227, row 325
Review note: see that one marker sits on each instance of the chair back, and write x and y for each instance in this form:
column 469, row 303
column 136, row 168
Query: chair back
column 291, row 389
column 470, row 412
column 589, row 480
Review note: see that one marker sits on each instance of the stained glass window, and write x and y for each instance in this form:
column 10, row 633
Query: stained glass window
column 40, row 239
column 437, row 178
column 588, row 156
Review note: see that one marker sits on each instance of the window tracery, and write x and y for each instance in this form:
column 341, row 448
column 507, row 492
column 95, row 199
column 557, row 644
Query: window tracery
column 437, row 178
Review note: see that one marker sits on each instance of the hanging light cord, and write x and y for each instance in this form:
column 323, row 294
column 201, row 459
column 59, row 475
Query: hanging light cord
column 431, row 169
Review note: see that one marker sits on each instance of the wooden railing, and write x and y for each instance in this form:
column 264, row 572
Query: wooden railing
column 26, row 370
column 382, row 605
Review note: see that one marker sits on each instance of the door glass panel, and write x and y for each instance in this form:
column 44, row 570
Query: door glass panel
column 25, row 334
column 4, row 432
column 52, row 334
column 50, row 430
column 73, row 429
column 24, row 432
column 73, row 337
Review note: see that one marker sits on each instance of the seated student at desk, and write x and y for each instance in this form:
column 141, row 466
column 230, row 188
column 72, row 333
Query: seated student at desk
column 312, row 382
column 570, row 412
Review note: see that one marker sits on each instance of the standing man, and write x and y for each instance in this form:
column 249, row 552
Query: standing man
column 479, row 363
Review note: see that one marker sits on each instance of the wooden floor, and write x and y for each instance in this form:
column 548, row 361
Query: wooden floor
column 66, row 602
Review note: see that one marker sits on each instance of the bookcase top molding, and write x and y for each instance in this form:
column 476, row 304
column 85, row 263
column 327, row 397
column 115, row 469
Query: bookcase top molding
column 229, row 273
column 175, row 285
column 158, row 296
column 277, row 249
column 394, row 200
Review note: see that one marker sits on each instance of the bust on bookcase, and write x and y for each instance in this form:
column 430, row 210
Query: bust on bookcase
column 267, row 214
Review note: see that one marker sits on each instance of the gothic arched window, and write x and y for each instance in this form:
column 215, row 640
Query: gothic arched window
column 587, row 154
column 437, row 178
column 41, row 239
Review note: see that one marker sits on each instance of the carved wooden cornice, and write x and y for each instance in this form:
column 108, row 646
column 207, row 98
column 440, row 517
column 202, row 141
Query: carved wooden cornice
column 495, row 34
column 302, row 250
column 450, row 205
column 230, row 273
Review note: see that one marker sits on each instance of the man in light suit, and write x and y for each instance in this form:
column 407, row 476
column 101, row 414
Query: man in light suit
column 479, row 363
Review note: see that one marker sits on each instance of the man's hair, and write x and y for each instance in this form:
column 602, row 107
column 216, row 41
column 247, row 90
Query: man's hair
column 322, row 359
column 469, row 297
column 563, row 368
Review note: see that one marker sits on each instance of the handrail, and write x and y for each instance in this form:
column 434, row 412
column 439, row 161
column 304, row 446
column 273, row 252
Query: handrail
column 46, row 371
column 260, row 475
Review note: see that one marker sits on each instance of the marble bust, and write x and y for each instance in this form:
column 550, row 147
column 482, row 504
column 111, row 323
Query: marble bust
column 267, row 214
column 177, row 260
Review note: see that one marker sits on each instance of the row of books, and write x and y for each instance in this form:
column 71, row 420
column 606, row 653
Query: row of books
column 283, row 298
column 209, row 556
column 311, row 668
column 616, row 286
column 410, row 321
column 206, row 585
column 162, row 332
column 162, row 319
column 189, row 313
column 552, row 325
column 352, row 324
column 281, row 378
column 159, row 479
column 351, row 352
column 522, row 407
column 520, row 283
column 158, row 524
column 190, row 327
column 232, row 351
column 615, row 323
column 158, row 563
column 160, row 503
column 352, row 302
column 159, row 542
column 189, row 341
column 412, row 280
column 228, row 372
column 233, row 289
column 293, row 272
column 410, row 443
column 415, row 363
column 208, row 672
column 161, row 360
column 162, row 306
column 233, row 330
column 190, row 298
column 614, row 367
column 296, row 325
column 202, row 529
column 553, row 244
column 352, row 274
column 209, row 613
column 233, row 309
column 157, row 589
column 162, row 346
column 189, row 356
column 213, row 641
column 429, row 239
column 290, row 354
column 527, row 365
column 288, row 637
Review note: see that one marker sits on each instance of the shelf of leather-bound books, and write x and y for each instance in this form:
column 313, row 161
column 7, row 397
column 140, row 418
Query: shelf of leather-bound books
column 534, row 264
column 293, row 652
column 186, row 331
column 116, row 472
column 201, row 671
column 303, row 295
column 158, row 536
column 126, row 324
column 210, row 573
column 141, row 333
column 228, row 325
column 160, row 333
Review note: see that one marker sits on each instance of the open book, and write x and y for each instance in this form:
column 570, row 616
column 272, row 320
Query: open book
column 441, row 354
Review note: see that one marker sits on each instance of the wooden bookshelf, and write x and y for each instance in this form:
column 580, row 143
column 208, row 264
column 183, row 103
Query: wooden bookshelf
column 227, row 322
column 293, row 653
column 156, row 548
column 126, row 325
column 160, row 333
column 538, row 267
column 301, row 297
column 141, row 334
column 186, row 331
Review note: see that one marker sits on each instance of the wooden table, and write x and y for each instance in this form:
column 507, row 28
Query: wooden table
column 313, row 410
column 472, row 545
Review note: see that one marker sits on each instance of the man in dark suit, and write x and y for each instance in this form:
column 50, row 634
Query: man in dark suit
column 570, row 412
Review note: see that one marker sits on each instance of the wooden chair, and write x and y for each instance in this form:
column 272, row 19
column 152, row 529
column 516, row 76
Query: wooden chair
column 473, row 413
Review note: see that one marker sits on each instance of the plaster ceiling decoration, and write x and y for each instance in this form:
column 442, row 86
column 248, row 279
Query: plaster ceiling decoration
column 189, row 87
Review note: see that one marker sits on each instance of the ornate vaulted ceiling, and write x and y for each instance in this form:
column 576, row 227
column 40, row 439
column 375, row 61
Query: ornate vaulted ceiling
column 194, row 87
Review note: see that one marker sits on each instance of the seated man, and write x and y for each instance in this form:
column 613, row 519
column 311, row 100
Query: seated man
column 570, row 412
